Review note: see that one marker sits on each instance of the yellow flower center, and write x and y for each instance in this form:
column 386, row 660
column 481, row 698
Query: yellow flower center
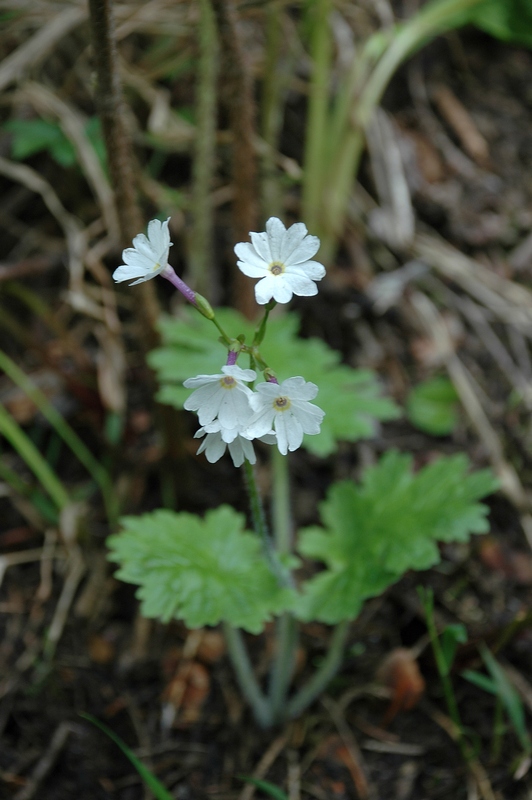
column 282, row 403
column 277, row 267
column 155, row 267
column 227, row 382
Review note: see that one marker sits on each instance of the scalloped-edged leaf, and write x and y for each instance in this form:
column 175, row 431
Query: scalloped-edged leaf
column 350, row 397
column 390, row 523
column 203, row 571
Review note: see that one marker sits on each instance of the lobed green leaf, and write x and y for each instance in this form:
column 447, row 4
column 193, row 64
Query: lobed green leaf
column 373, row 533
column 350, row 397
column 202, row 571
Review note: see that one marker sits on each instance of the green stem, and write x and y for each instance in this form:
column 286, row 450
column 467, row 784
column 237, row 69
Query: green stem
column 246, row 677
column 286, row 626
column 260, row 526
column 443, row 670
column 33, row 459
column 323, row 675
column 321, row 51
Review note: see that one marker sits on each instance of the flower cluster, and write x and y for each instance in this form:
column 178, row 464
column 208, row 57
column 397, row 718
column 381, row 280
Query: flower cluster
column 232, row 415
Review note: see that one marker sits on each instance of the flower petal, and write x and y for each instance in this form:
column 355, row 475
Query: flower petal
column 276, row 232
column 301, row 286
column 282, row 290
column 125, row 272
column 264, row 289
column 262, row 245
column 308, row 248
column 310, row 269
column 292, row 239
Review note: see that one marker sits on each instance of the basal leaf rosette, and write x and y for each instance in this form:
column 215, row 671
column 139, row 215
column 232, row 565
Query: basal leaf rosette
column 390, row 523
column 351, row 398
column 201, row 570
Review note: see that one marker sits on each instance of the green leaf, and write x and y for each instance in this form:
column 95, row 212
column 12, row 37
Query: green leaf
column 350, row 397
column 202, row 571
column 33, row 135
column 509, row 20
column 147, row 776
column 390, row 523
column 431, row 406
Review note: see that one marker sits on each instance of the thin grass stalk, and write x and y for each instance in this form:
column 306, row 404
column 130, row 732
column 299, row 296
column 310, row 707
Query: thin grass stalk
column 321, row 54
column 201, row 237
column 33, row 459
column 272, row 110
column 67, row 434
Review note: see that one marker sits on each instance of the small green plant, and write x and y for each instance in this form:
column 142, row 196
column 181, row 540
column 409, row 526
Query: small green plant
column 213, row 569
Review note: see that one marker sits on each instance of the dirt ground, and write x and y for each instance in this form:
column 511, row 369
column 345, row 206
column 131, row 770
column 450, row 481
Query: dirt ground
column 72, row 639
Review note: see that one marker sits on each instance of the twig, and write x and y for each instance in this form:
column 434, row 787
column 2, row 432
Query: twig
column 41, row 43
column 351, row 745
column 264, row 765
column 46, row 763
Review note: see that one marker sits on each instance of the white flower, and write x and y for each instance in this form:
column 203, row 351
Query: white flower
column 149, row 255
column 214, row 447
column 281, row 258
column 224, row 397
column 285, row 408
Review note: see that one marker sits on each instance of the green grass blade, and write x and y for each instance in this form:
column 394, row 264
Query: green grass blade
column 98, row 473
column 153, row 783
column 265, row 786
column 33, row 459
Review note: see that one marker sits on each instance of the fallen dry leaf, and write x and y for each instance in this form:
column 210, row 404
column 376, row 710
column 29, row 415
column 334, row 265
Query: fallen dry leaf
column 400, row 673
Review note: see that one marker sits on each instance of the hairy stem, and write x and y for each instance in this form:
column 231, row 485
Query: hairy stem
column 239, row 101
column 118, row 146
column 203, row 166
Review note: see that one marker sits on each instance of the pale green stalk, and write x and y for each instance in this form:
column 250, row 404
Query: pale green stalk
column 315, row 143
column 286, row 626
column 205, row 143
column 433, row 20
column 63, row 429
column 33, row 459
column 323, row 675
column 246, row 677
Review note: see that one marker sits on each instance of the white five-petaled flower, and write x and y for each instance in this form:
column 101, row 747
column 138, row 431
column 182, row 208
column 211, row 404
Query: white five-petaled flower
column 224, row 397
column 282, row 258
column 287, row 409
column 149, row 255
